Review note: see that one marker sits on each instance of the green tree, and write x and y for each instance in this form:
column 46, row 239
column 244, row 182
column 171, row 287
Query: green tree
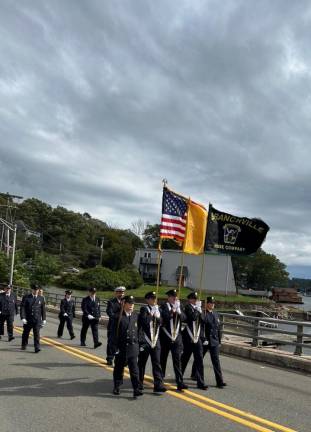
column 4, row 268
column 260, row 271
column 151, row 238
column 44, row 268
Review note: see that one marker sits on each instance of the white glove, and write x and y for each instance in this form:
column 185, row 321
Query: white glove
column 0, row 312
column 177, row 304
column 157, row 314
column 198, row 308
column 178, row 310
column 24, row 321
column 198, row 303
column 90, row 317
column 205, row 342
column 44, row 322
column 65, row 314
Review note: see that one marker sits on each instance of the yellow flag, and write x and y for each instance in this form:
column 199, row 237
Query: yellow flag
column 196, row 229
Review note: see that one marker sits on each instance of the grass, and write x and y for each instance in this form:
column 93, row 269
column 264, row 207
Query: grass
column 141, row 291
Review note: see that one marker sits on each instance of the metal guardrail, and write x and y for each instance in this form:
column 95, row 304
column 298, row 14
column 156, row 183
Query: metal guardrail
column 252, row 328
column 54, row 299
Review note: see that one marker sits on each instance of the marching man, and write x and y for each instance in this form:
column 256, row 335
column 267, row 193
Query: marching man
column 170, row 336
column 192, row 338
column 149, row 321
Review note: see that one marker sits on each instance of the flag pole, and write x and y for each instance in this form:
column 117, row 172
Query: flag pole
column 201, row 275
column 159, row 265
column 164, row 182
column 181, row 272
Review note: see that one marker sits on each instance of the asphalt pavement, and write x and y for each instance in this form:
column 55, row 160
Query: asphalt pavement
column 66, row 387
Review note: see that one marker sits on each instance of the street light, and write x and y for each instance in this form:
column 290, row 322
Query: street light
column 10, row 227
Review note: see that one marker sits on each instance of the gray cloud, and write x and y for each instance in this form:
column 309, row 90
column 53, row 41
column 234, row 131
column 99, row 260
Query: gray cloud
column 100, row 101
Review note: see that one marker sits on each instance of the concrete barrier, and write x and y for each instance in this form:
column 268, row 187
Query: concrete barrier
column 266, row 355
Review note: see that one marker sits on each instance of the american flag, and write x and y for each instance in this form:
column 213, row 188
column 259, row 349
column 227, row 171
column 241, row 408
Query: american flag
column 174, row 216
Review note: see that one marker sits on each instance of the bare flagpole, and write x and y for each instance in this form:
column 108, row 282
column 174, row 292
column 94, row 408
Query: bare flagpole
column 164, row 181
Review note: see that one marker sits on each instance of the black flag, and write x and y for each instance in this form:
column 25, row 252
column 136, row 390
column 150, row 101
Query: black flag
column 233, row 235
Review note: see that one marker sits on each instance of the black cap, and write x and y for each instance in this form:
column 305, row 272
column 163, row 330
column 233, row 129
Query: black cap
column 92, row 289
column 68, row 292
column 129, row 299
column 192, row 295
column 210, row 300
column 150, row 295
column 171, row 293
column 35, row 286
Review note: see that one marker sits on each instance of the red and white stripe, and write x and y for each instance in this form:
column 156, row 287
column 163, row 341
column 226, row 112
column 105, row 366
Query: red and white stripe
column 173, row 227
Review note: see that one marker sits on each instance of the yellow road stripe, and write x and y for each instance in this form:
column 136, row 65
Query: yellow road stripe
column 190, row 393
column 100, row 362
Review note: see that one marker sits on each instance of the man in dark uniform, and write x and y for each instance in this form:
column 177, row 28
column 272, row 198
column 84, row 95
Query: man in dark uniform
column 113, row 309
column 91, row 315
column 170, row 336
column 149, row 321
column 192, row 341
column 33, row 315
column 126, row 342
column 8, row 308
column 66, row 315
column 211, row 340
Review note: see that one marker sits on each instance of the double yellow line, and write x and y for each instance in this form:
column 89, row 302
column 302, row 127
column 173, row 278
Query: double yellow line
column 238, row 416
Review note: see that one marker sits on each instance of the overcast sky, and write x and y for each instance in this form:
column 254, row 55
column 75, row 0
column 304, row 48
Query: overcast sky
column 99, row 100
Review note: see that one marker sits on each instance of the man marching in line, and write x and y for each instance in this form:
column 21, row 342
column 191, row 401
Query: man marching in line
column 66, row 315
column 149, row 321
column 170, row 336
column 8, row 308
column 192, row 338
column 126, row 343
column 113, row 310
column 33, row 315
column 211, row 341
column 91, row 315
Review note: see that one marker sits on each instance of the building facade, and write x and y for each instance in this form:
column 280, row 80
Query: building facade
column 217, row 270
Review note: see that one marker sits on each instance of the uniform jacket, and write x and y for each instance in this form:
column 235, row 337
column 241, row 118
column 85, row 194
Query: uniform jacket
column 67, row 306
column 148, row 327
column 212, row 331
column 8, row 304
column 125, row 333
column 90, row 307
column 113, row 309
column 33, row 309
column 194, row 318
column 171, row 321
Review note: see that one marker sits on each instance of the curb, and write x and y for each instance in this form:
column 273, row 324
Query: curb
column 262, row 355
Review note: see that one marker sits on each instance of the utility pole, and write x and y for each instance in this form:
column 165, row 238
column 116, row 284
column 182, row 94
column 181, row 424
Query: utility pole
column 101, row 251
column 10, row 227
column 9, row 217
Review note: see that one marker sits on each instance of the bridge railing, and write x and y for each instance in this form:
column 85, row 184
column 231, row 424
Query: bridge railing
column 259, row 329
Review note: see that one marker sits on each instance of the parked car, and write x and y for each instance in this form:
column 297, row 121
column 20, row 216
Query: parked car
column 72, row 270
column 258, row 314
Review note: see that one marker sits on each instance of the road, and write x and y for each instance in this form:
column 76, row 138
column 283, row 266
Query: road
column 68, row 388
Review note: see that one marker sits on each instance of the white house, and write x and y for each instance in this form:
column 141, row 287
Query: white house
column 217, row 271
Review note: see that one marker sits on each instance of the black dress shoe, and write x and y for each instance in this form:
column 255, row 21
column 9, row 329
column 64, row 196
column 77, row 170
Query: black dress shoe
column 137, row 392
column 203, row 387
column 160, row 389
column 221, row 385
column 23, row 347
column 140, row 387
column 11, row 338
column 116, row 391
column 37, row 350
column 182, row 387
column 98, row 344
column 82, row 344
column 109, row 363
column 72, row 337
